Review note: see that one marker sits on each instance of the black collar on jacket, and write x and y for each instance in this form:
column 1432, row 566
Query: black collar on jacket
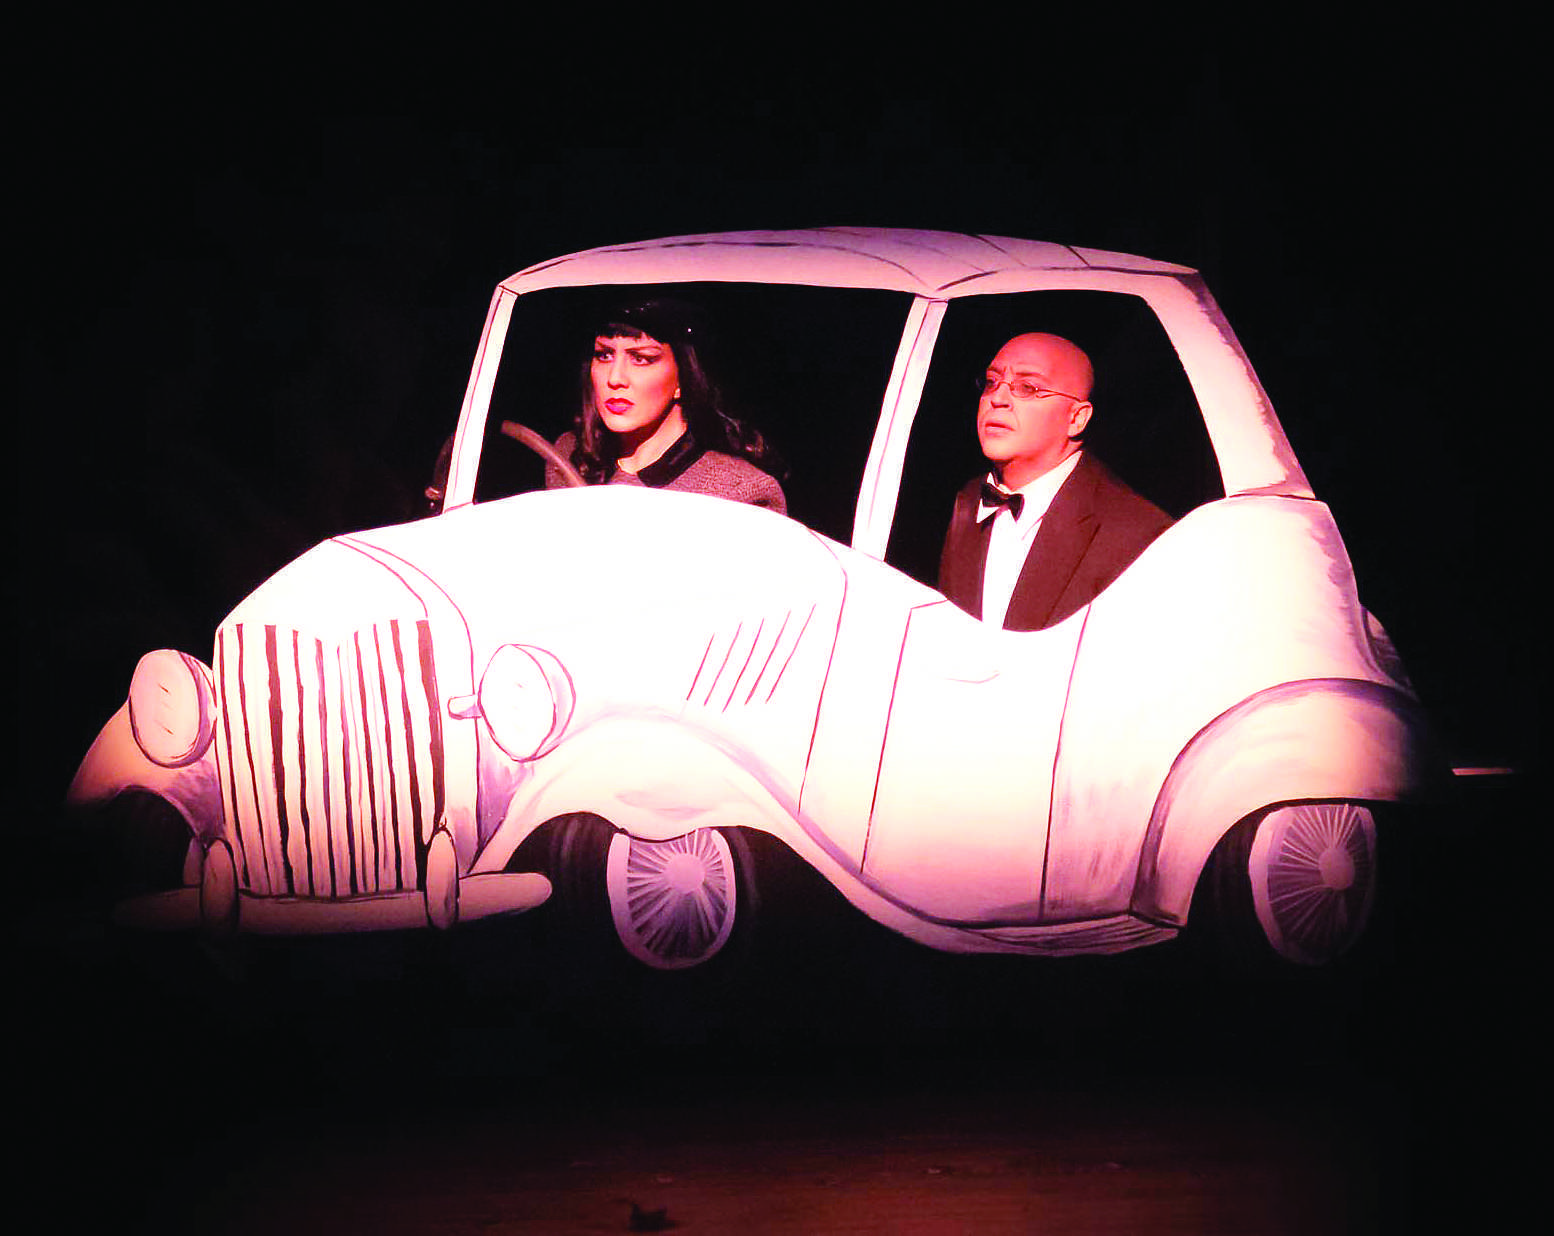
column 682, row 453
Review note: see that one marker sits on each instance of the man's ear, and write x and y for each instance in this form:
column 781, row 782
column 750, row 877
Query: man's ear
column 1079, row 417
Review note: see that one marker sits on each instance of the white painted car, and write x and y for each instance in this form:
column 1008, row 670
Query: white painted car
column 383, row 723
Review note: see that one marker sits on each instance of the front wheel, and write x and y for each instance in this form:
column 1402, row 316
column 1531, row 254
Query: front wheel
column 674, row 903
column 671, row 905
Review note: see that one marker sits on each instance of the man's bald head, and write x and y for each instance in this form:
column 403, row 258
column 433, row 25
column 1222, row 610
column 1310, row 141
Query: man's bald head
column 1025, row 435
column 1063, row 361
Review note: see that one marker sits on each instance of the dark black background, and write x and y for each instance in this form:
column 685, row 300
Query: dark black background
column 249, row 306
column 249, row 297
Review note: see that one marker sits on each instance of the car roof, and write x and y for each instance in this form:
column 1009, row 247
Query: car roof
column 937, row 264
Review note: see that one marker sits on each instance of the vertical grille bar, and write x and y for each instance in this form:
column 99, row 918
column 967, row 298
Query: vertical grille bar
column 345, row 812
column 322, row 828
column 390, row 821
column 433, row 715
column 226, row 754
column 280, row 838
column 367, row 812
column 247, row 761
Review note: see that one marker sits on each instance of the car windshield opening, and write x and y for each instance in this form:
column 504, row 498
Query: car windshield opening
column 805, row 366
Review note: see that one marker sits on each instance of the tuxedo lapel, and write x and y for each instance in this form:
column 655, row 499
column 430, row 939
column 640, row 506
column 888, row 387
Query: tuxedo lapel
column 964, row 559
column 1066, row 531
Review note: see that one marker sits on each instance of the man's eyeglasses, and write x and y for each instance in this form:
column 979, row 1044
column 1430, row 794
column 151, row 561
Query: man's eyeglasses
column 1020, row 388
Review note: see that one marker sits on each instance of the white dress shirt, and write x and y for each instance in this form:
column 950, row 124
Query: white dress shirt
column 1010, row 540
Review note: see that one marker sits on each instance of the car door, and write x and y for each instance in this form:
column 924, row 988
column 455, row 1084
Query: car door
column 962, row 807
column 958, row 827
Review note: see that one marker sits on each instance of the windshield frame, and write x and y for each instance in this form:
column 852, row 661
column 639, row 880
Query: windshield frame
column 1250, row 445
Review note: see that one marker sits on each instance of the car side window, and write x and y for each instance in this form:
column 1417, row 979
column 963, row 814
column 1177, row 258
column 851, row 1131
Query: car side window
column 1146, row 425
column 806, row 366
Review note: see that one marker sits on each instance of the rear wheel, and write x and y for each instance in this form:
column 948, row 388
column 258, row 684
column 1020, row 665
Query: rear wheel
column 1300, row 879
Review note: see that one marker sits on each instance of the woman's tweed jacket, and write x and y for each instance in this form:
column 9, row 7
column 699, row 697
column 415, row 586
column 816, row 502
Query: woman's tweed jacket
column 688, row 467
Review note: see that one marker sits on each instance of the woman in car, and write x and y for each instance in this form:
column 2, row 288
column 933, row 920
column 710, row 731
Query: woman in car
column 651, row 416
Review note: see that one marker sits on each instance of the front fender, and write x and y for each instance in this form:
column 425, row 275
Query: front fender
column 654, row 776
column 1329, row 738
column 115, row 763
column 658, row 777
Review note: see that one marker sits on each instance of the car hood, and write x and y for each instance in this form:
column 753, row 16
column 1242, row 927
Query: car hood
column 544, row 561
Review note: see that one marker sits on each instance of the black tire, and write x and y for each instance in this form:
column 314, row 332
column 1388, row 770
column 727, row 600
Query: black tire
column 687, row 904
column 1295, row 882
column 141, row 844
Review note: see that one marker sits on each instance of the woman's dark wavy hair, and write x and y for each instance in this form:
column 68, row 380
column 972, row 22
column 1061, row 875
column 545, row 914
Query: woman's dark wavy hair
column 681, row 327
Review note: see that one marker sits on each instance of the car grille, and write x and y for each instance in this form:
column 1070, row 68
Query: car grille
column 330, row 755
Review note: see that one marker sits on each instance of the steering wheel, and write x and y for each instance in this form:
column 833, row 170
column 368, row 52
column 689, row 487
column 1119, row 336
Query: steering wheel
column 519, row 433
column 536, row 443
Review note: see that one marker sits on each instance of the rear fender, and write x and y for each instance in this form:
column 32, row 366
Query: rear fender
column 1319, row 739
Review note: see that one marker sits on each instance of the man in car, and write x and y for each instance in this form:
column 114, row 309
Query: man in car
column 1050, row 526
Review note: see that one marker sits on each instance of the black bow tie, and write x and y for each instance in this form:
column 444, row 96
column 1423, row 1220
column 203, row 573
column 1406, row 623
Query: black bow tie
column 993, row 496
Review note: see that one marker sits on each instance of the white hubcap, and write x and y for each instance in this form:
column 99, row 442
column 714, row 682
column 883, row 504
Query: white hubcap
column 1313, row 872
column 673, row 901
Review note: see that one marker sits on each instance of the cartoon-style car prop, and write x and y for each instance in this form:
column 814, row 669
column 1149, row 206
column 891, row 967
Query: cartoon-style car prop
column 383, row 723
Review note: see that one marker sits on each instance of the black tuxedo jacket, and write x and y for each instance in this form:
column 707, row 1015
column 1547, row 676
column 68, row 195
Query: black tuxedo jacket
column 1094, row 528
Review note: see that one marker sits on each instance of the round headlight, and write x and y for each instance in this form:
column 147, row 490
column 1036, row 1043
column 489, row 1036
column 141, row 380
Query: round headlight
column 526, row 698
column 172, row 707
